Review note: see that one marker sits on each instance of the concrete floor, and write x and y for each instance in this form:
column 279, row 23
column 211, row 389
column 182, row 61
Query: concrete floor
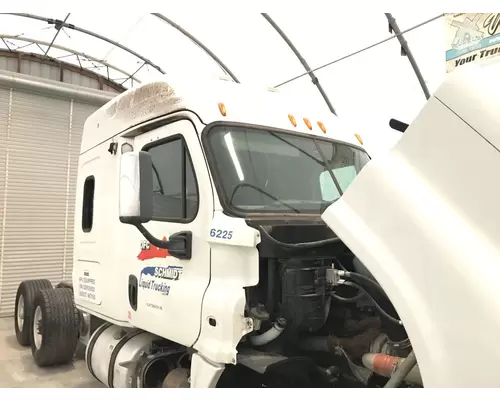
column 17, row 368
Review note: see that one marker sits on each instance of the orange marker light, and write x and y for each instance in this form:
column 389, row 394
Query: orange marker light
column 360, row 140
column 292, row 120
column 308, row 123
column 222, row 109
column 322, row 127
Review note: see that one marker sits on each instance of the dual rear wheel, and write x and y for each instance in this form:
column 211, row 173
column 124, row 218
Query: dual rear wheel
column 46, row 319
column 25, row 299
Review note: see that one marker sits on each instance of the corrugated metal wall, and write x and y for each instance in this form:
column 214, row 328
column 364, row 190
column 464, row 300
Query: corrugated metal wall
column 4, row 124
column 33, row 65
column 40, row 139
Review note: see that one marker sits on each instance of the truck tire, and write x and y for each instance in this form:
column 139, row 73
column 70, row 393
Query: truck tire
column 25, row 299
column 55, row 327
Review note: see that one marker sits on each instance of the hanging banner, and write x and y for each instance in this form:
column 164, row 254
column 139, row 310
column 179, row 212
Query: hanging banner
column 471, row 38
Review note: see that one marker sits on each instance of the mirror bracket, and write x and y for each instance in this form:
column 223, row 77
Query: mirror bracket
column 398, row 125
column 179, row 245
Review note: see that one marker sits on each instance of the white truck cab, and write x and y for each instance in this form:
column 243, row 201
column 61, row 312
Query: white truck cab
column 228, row 237
column 168, row 178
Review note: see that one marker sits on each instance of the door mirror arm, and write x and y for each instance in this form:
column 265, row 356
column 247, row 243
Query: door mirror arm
column 179, row 244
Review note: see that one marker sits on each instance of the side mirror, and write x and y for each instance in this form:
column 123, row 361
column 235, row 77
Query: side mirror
column 136, row 203
column 136, row 188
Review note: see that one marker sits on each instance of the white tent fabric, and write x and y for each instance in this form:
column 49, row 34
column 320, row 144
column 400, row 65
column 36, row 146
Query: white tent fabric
column 366, row 89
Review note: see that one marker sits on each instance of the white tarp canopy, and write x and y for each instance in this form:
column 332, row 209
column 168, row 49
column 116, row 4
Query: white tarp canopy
column 366, row 88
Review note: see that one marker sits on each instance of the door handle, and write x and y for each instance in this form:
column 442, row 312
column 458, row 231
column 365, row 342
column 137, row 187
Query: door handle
column 133, row 286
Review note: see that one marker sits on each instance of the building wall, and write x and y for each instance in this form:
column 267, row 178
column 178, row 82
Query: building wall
column 47, row 68
column 41, row 124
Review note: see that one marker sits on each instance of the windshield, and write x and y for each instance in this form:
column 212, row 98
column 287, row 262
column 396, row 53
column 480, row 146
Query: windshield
column 265, row 171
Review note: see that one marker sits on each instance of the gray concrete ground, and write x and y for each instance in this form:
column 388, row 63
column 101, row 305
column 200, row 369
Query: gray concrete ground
column 17, row 368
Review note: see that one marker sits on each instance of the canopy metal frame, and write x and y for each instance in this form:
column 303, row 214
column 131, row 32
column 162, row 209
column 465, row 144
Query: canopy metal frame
column 59, row 24
column 405, row 47
column 80, row 55
column 302, row 60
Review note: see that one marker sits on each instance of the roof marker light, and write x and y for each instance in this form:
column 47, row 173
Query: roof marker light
column 222, row 109
column 308, row 123
column 360, row 140
column 292, row 120
column 322, row 127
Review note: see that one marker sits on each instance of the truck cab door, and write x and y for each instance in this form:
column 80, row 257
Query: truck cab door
column 165, row 292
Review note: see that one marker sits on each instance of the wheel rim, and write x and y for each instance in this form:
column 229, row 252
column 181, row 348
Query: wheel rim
column 20, row 312
column 37, row 327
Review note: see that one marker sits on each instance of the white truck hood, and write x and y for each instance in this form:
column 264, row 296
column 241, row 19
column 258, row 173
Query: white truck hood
column 425, row 220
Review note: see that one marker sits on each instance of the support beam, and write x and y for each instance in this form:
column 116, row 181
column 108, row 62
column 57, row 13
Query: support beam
column 87, row 32
column 393, row 27
column 314, row 79
column 67, row 49
column 356, row 52
column 198, row 43
column 58, row 29
column 62, row 66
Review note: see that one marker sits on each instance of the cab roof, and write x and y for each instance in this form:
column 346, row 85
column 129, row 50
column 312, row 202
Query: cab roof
column 209, row 100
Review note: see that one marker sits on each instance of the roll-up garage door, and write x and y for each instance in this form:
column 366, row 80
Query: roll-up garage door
column 40, row 138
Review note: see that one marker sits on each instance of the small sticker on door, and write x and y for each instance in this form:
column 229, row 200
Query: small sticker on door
column 150, row 251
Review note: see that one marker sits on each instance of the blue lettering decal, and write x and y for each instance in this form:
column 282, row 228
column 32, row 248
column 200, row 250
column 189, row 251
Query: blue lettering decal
column 153, row 278
column 221, row 234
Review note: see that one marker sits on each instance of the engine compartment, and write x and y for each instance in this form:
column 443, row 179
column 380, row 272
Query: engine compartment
column 320, row 320
column 320, row 317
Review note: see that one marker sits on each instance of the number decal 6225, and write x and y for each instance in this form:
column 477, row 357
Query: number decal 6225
column 221, row 234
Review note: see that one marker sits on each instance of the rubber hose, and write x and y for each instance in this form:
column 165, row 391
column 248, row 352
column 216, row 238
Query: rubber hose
column 348, row 299
column 402, row 372
column 360, row 268
column 373, row 301
column 302, row 245
column 269, row 335
column 374, row 284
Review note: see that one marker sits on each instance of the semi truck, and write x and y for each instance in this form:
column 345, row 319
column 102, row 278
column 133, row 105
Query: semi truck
column 227, row 236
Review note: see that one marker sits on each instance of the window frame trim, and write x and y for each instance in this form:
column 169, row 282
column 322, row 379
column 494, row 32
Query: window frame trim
column 185, row 147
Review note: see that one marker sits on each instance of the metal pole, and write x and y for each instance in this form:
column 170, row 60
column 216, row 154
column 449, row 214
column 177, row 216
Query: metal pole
column 90, row 33
column 359, row 51
column 393, row 26
column 58, row 28
column 74, row 52
column 314, row 79
column 198, row 43
column 131, row 77
column 6, row 45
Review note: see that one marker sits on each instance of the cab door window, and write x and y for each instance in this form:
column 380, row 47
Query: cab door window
column 175, row 190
